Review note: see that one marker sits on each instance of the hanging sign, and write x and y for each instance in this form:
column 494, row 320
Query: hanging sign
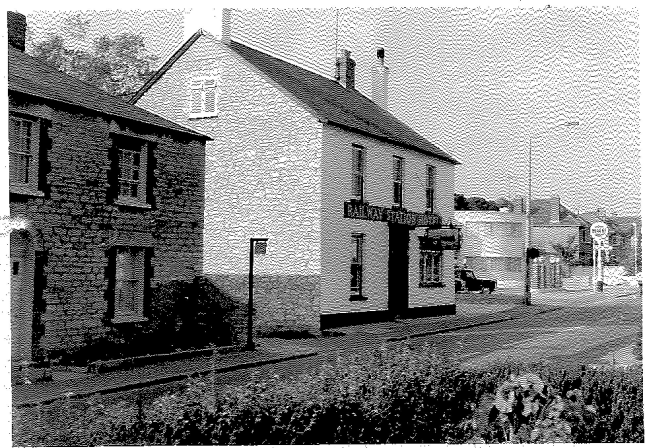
column 440, row 239
column 368, row 212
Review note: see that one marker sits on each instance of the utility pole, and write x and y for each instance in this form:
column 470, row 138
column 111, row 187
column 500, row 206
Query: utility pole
column 528, row 226
column 635, row 248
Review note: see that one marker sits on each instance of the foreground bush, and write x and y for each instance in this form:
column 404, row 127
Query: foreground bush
column 394, row 396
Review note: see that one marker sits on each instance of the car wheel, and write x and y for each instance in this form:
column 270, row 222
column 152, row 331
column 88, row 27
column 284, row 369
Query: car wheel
column 484, row 290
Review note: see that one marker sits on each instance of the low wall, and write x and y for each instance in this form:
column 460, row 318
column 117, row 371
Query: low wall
column 280, row 302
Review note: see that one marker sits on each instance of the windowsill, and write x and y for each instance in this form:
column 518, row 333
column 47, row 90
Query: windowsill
column 132, row 203
column 432, row 285
column 124, row 319
column 26, row 190
column 357, row 298
column 203, row 115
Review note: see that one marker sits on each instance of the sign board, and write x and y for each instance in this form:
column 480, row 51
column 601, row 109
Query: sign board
column 357, row 210
column 260, row 247
column 441, row 239
column 599, row 231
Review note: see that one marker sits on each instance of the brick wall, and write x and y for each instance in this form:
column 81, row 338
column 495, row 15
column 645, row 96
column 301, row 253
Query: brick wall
column 77, row 223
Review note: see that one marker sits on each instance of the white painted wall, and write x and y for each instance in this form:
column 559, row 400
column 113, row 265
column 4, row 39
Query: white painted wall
column 258, row 183
column 491, row 234
column 337, row 230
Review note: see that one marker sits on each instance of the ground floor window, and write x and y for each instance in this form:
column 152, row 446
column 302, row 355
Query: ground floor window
column 430, row 268
column 129, row 282
column 356, row 266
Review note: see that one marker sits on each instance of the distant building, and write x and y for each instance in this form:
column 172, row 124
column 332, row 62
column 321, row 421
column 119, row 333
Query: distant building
column 349, row 196
column 111, row 197
column 493, row 245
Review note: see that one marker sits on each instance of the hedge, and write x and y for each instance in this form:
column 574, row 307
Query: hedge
column 407, row 395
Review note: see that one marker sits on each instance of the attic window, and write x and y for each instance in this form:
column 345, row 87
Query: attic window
column 203, row 97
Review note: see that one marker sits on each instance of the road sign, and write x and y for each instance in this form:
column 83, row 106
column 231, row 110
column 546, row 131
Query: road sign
column 599, row 231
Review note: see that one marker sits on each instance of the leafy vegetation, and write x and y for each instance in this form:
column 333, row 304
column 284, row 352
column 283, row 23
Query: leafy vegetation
column 402, row 395
column 117, row 64
column 182, row 316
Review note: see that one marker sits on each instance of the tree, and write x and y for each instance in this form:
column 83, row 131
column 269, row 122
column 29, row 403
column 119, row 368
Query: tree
column 567, row 250
column 473, row 203
column 119, row 65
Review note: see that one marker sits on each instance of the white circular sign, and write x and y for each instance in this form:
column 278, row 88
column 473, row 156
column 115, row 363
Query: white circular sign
column 599, row 230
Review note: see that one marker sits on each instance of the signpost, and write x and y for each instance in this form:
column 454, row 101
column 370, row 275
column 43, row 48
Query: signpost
column 257, row 247
column 599, row 231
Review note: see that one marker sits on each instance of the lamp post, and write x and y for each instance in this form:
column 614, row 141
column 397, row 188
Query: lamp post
column 527, row 251
column 635, row 249
column 259, row 246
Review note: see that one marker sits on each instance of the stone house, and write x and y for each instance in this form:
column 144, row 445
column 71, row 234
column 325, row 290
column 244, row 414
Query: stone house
column 353, row 201
column 110, row 198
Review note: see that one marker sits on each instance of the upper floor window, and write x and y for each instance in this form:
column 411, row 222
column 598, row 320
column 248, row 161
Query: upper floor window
column 24, row 135
column 132, row 157
column 358, row 171
column 430, row 188
column 203, row 97
column 398, row 180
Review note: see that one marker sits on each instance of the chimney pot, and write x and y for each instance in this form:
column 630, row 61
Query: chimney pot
column 226, row 25
column 16, row 28
column 345, row 69
column 380, row 81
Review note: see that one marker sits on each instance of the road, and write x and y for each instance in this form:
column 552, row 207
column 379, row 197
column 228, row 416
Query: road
column 588, row 330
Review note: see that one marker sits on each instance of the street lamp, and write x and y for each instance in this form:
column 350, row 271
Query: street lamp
column 635, row 244
column 259, row 244
column 527, row 251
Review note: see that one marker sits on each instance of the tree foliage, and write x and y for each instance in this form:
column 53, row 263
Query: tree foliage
column 117, row 64
column 474, row 203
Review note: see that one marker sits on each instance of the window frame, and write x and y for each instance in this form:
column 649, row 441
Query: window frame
column 123, row 144
column 356, row 292
column 398, row 180
column 429, row 260
column 137, row 260
column 358, row 172
column 430, row 184
column 32, row 155
column 199, row 83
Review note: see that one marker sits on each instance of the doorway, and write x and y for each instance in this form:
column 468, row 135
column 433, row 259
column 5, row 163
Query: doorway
column 398, row 269
column 22, row 295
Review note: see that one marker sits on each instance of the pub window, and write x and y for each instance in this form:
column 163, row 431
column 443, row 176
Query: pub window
column 430, row 267
column 358, row 171
column 24, row 136
column 398, row 180
column 203, row 97
column 132, row 170
column 129, row 283
column 431, row 187
column 356, row 266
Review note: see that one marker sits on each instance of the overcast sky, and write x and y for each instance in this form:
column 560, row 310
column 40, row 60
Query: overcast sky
column 483, row 84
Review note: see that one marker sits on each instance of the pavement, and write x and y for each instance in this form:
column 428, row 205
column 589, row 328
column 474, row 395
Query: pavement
column 472, row 310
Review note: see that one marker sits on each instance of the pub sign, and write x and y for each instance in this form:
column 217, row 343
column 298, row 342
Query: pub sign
column 441, row 239
column 357, row 210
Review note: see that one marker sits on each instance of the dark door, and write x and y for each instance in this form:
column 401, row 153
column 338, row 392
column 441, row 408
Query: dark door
column 398, row 269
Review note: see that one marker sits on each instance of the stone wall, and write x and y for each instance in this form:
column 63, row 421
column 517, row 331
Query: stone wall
column 76, row 222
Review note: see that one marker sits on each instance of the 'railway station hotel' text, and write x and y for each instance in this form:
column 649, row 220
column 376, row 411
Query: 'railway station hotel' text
column 356, row 205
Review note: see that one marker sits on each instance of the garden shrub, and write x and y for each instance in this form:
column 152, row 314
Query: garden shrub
column 402, row 395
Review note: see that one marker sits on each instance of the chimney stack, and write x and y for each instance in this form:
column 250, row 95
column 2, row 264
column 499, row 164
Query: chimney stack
column 380, row 81
column 16, row 28
column 345, row 69
column 226, row 25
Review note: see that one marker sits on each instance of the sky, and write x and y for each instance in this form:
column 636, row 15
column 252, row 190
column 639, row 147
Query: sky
column 487, row 85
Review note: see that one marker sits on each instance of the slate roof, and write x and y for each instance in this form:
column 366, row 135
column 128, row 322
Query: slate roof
column 326, row 98
column 30, row 76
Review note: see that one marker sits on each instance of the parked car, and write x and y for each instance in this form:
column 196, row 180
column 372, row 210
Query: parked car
column 467, row 281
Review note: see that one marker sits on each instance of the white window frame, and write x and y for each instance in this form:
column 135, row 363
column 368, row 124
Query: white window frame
column 202, row 85
column 129, row 284
column 431, row 266
column 356, row 289
column 358, row 172
column 31, row 154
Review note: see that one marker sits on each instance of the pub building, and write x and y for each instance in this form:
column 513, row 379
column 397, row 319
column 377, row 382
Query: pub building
column 356, row 206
